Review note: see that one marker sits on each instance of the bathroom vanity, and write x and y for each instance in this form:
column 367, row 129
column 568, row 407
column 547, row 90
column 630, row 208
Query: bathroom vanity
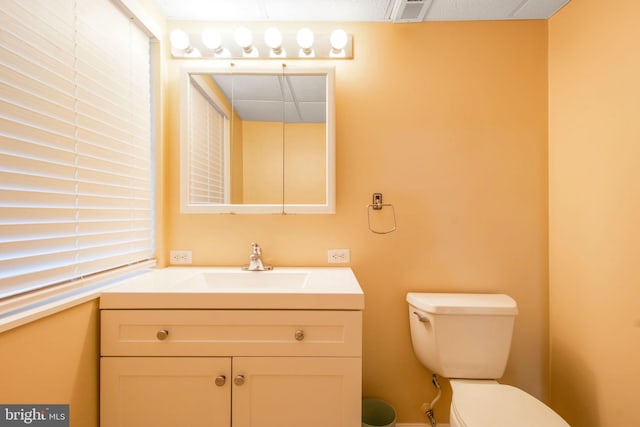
column 220, row 347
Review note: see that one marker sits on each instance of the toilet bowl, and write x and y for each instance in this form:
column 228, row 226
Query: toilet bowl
column 467, row 338
column 477, row 403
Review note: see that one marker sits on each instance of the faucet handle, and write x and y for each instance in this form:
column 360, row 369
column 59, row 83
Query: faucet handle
column 255, row 260
column 255, row 248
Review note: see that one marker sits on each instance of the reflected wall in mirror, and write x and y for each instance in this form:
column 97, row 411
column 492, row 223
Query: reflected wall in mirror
column 257, row 138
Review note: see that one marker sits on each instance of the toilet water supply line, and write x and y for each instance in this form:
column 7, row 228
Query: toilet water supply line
column 429, row 411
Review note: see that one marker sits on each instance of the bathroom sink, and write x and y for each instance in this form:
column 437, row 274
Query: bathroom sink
column 246, row 281
column 284, row 288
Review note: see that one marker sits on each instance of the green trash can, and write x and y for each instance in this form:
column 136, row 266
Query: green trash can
column 377, row 413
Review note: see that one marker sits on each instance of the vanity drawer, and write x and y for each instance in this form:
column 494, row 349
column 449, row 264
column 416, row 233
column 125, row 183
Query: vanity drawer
column 231, row 333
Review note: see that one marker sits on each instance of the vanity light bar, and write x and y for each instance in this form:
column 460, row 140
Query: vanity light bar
column 241, row 42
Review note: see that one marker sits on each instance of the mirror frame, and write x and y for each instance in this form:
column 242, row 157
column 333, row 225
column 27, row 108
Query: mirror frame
column 250, row 67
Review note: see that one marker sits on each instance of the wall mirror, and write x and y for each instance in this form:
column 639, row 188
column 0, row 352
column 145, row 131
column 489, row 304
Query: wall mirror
column 257, row 138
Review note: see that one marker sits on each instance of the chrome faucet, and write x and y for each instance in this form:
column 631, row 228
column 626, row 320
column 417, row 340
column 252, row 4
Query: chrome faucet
column 255, row 260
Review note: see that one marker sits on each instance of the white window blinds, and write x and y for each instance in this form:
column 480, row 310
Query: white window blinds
column 75, row 142
column 207, row 134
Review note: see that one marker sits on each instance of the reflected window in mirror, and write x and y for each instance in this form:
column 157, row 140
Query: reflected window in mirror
column 208, row 145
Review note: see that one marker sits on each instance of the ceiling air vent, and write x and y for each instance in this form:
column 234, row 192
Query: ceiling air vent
column 409, row 10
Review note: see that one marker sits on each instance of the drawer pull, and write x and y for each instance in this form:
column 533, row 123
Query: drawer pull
column 162, row 334
column 238, row 380
column 299, row 335
column 221, row 380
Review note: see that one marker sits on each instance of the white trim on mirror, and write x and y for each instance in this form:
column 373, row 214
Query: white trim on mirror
column 258, row 67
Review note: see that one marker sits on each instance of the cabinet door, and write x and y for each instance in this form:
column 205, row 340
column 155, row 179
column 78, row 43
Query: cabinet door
column 164, row 392
column 296, row 392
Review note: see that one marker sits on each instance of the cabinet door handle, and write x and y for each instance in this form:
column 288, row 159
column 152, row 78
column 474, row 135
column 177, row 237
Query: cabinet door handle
column 238, row 380
column 221, row 380
column 162, row 334
column 299, row 335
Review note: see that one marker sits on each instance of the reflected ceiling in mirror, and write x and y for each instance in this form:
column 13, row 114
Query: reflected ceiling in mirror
column 260, row 97
column 257, row 138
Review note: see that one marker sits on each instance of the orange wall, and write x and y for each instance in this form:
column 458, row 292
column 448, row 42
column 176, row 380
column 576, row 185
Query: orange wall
column 304, row 152
column 449, row 121
column 54, row 361
column 594, row 216
column 305, row 163
column 262, row 162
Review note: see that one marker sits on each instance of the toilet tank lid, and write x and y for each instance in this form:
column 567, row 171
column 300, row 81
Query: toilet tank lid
column 453, row 303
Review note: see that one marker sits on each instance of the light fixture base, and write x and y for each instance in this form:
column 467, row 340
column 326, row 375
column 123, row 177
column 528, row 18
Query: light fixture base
column 322, row 48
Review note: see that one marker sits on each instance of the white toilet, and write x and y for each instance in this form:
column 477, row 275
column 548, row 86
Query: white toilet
column 467, row 338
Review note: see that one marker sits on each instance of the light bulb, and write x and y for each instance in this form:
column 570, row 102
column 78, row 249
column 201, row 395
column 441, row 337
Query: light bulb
column 211, row 38
column 305, row 41
column 179, row 39
column 338, row 39
column 273, row 39
column 305, row 38
column 243, row 37
column 338, row 42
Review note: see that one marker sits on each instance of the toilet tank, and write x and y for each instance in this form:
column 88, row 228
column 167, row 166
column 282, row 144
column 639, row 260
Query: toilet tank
column 462, row 335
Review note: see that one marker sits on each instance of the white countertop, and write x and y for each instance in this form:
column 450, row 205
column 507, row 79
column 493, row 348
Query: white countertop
column 284, row 288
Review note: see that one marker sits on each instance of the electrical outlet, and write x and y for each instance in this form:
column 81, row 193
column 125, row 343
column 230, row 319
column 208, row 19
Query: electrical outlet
column 338, row 256
column 179, row 257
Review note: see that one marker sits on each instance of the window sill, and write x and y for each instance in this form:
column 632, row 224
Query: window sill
column 27, row 308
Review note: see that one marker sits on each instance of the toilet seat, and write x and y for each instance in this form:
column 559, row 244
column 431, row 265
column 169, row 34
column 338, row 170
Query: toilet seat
column 478, row 403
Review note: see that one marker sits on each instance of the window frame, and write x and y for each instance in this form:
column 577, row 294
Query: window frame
column 29, row 306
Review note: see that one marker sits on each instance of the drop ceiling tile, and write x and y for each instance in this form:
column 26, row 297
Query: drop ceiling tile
column 350, row 10
column 213, row 10
column 307, row 88
column 269, row 111
column 449, row 10
column 327, row 10
column 533, row 9
column 313, row 112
